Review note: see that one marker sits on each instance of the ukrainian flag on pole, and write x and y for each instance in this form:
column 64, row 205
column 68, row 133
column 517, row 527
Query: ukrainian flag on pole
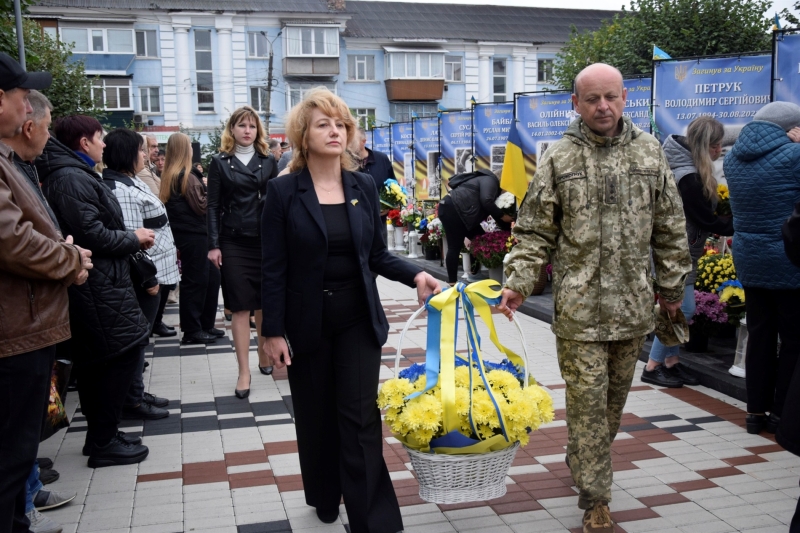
column 514, row 179
column 658, row 53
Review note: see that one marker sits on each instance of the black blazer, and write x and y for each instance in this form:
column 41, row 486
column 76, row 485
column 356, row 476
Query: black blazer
column 294, row 247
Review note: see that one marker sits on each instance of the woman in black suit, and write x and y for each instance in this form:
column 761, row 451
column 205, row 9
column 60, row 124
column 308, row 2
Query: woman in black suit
column 321, row 239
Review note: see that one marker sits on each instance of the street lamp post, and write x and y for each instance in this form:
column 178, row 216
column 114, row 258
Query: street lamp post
column 20, row 38
column 270, row 81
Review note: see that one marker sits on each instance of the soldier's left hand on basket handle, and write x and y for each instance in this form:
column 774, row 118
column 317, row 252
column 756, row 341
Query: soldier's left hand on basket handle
column 426, row 285
column 277, row 351
column 671, row 307
column 509, row 303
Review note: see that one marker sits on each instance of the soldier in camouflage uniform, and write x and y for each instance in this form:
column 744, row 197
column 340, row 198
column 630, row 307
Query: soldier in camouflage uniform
column 602, row 198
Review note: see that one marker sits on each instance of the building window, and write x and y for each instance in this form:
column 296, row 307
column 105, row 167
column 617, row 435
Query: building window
column 360, row 68
column 499, row 78
column 112, row 94
column 365, row 117
column 99, row 41
column 257, row 44
column 146, row 43
column 150, row 99
column 203, row 67
column 258, row 99
column 312, row 41
column 546, row 70
column 405, row 112
column 76, row 37
column 414, row 65
column 453, row 68
column 296, row 91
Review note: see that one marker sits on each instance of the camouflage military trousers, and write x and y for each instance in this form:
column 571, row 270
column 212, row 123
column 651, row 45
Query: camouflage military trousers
column 598, row 377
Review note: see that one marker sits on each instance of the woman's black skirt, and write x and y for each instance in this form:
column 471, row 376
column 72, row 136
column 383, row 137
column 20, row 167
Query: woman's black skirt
column 241, row 273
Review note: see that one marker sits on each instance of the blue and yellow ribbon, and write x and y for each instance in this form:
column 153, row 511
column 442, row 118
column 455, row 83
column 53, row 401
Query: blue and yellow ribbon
column 441, row 353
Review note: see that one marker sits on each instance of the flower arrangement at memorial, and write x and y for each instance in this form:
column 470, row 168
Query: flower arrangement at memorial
column 392, row 194
column 507, row 203
column 417, row 421
column 411, row 214
column 723, row 201
column 394, row 216
column 719, row 296
column 491, row 248
column 433, row 231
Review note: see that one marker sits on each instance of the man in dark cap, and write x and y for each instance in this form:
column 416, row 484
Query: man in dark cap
column 36, row 266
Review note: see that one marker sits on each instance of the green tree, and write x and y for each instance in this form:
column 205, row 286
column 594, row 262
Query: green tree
column 71, row 90
column 682, row 28
column 790, row 17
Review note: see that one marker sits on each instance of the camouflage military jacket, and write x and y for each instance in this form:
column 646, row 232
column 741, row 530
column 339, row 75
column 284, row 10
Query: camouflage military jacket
column 600, row 205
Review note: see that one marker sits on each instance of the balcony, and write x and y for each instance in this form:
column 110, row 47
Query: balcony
column 414, row 90
column 311, row 66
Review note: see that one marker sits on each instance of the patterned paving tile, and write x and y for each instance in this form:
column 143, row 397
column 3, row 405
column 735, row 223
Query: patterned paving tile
column 682, row 457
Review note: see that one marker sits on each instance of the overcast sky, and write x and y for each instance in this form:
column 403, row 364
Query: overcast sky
column 777, row 5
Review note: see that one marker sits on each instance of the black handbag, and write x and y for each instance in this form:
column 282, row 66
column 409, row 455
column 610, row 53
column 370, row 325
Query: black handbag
column 143, row 270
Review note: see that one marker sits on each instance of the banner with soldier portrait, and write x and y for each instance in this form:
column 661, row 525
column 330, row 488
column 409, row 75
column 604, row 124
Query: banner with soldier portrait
column 786, row 84
column 426, row 158
column 637, row 107
column 542, row 119
column 492, row 122
column 402, row 158
column 455, row 143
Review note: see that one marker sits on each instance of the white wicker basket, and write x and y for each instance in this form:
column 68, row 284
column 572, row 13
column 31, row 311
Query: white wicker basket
column 461, row 478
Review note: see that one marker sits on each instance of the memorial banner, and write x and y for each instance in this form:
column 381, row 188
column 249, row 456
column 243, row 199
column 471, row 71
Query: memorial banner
column 455, row 143
column 426, row 158
column 786, row 85
column 730, row 89
column 542, row 119
column 402, row 158
column 638, row 104
column 382, row 140
column 368, row 136
column 492, row 124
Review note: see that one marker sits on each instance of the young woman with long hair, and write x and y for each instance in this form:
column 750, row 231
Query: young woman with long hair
column 691, row 160
column 184, row 194
column 237, row 186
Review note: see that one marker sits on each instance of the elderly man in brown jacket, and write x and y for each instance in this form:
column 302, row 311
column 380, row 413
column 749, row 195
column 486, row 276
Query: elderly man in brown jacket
column 36, row 266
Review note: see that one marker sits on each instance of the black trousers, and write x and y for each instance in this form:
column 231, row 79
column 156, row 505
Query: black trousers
column 103, row 387
column 163, row 294
column 24, row 386
column 339, row 439
column 770, row 313
column 149, row 305
column 455, row 232
column 200, row 281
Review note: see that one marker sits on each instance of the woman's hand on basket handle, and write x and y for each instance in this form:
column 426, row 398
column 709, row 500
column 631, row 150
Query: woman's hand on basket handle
column 426, row 285
column 509, row 303
column 277, row 351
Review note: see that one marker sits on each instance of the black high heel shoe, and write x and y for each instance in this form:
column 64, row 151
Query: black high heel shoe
column 266, row 370
column 242, row 394
column 755, row 423
column 771, row 423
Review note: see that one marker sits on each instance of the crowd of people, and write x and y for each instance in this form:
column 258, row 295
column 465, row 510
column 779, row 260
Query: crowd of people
column 99, row 228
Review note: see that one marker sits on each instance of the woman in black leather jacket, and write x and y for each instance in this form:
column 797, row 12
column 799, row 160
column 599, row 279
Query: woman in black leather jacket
column 237, row 185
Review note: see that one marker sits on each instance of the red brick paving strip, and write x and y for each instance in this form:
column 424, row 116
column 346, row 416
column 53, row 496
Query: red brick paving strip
column 207, row 472
column 161, row 476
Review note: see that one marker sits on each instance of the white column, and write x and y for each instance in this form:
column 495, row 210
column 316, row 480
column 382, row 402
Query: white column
column 519, row 69
column 224, row 68
column 485, row 87
column 183, row 78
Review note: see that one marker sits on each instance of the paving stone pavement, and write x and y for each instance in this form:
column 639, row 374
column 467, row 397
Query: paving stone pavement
column 682, row 461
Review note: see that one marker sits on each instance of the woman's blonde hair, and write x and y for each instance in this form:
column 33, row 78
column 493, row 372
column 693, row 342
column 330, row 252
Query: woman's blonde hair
column 177, row 161
column 702, row 133
column 297, row 125
column 228, row 143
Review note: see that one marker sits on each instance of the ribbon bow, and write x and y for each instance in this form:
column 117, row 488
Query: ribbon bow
column 441, row 354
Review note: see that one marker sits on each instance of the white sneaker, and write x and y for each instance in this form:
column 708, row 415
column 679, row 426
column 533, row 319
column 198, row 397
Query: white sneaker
column 41, row 524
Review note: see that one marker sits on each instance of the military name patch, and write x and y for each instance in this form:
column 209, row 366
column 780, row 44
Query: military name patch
column 645, row 171
column 570, row 176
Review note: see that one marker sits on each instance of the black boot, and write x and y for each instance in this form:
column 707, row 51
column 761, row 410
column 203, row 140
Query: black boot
column 662, row 377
